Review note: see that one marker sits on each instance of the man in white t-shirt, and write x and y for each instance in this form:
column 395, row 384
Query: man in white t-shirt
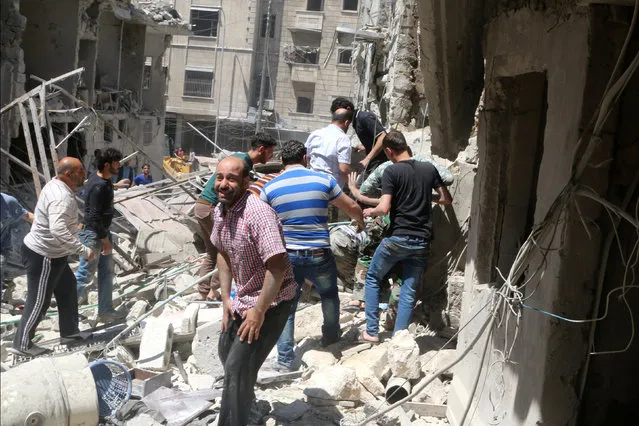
column 329, row 149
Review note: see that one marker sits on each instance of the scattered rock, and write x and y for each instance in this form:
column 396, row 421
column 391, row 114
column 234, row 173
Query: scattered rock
column 92, row 298
column 433, row 361
column 138, row 309
column 292, row 411
column 334, row 382
column 435, row 393
column 370, row 382
column 307, row 322
column 404, row 356
column 185, row 281
column 375, row 358
column 204, row 349
column 201, row 381
column 316, row 358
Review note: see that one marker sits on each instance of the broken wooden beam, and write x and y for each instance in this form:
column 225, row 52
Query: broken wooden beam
column 37, row 129
column 33, row 164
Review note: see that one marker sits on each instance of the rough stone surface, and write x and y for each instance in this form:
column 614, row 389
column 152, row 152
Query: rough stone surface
column 204, row 349
column 334, row 382
column 137, row 310
column 189, row 318
column 183, row 281
column 404, row 356
column 375, row 358
column 155, row 346
column 142, row 419
column 201, row 381
column 318, row 358
column 370, row 382
column 433, row 361
column 308, row 322
column 435, row 393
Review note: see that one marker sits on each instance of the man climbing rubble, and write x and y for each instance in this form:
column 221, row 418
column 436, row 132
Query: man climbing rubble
column 53, row 237
column 262, row 146
column 252, row 252
column 95, row 233
column 369, row 194
column 301, row 198
column 407, row 187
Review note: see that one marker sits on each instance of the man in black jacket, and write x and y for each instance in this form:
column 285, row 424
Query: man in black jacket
column 94, row 233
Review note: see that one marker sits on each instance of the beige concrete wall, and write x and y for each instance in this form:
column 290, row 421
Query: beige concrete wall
column 332, row 81
column 233, row 65
column 538, row 386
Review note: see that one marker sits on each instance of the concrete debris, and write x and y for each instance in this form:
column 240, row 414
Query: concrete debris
column 204, row 349
column 334, row 382
column 376, row 359
column 404, row 356
column 317, row 358
column 307, row 322
column 155, row 348
column 433, row 361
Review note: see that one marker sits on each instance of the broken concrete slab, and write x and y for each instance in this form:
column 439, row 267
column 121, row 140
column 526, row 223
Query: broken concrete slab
column 177, row 407
column 266, row 377
column 155, row 346
column 318, row 358
column 404, row 356
column 307, row 322
column 204, row 349
column 335, row 382
column 368, row 379
column 357, row 349
column 138, row 309
column 320, row 402
column 189, row 318
column 376, row 359
column 433, row 361
column 201, row 381
column 184, row 282
column 435, row 393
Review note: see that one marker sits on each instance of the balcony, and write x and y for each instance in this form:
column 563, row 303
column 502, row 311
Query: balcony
column 308, row 21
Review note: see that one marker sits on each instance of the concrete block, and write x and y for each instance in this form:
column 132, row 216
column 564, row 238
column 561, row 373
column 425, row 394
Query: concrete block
column 318, row 358
column 137, row 310
column 189, row 318
column 404, row 356
column 155, row 346
column 204, row 348
column 334, row 382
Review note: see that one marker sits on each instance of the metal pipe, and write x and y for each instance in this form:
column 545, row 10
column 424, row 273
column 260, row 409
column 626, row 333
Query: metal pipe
column 219, row 85
column 120, row 54
column 75, row 129
column 397, row 389
column 204, row 136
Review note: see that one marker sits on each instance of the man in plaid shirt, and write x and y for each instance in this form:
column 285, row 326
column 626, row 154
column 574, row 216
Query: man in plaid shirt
column 252, row 252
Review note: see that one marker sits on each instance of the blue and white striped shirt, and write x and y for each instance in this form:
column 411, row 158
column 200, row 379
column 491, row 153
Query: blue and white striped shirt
column 300, row 197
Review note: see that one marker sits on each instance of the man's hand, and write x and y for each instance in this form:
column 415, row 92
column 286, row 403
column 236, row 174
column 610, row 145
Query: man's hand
column 364, row 163
column 352, row 183
column 359, row 225
column 107, row 247
column 91, row 256
column 369, row 212
column 251, row 325
column 227, row 314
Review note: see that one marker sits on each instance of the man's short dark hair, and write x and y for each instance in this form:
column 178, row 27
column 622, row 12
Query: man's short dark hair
column 146, row 165
column 262, row 139
column 396, row 141
column 293, row 152
column 341, row 102
column 343, row 116
column 107, row 156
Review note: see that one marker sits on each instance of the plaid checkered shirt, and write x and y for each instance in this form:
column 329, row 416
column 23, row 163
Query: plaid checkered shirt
column 250, row 233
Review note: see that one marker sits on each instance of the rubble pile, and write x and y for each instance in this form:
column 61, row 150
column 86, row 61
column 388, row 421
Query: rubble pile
column 172, row 357
column 161, row 11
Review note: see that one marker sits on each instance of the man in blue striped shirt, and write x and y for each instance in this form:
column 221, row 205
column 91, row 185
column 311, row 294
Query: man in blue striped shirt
column 300, row 198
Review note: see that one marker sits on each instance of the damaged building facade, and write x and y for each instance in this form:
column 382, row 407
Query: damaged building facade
column 553, row 234
column 215, row 72
column 119, row 45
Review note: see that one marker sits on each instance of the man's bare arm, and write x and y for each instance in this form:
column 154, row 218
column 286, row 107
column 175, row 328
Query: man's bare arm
column 377, row 148
column 444, row 196
column 224, row 274
column 344, row 170
column 351, row 208
column 382, row 208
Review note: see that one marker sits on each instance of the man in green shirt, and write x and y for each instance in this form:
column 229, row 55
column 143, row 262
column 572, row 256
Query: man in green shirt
column 262, row 147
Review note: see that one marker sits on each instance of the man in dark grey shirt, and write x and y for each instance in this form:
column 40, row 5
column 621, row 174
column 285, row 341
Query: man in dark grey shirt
column 98, row 213
column 407, row 188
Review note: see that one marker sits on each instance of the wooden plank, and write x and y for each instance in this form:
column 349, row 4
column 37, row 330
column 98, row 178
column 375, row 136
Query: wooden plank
column 37, row 128
column 27, row 138
column 20, row 163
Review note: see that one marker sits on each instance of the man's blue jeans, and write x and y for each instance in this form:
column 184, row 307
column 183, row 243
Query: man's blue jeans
column 104, row 267
column 413, row 252
column 322, row 272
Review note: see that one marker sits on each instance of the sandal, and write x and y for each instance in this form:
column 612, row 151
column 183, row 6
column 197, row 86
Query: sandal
column 362, row 339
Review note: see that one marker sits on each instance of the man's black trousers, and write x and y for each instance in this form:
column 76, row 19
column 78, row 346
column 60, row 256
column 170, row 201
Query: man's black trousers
column 242, row 362
column 47, row 276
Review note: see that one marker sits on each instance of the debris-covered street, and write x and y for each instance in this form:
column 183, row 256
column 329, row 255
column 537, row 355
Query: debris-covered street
column 319, row 212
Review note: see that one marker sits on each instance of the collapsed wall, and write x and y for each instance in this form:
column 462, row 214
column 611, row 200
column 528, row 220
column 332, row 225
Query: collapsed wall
column 12, row 77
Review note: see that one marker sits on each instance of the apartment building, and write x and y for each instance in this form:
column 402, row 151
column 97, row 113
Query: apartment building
column 315, row 64
column 215, row 73
column 120, row 45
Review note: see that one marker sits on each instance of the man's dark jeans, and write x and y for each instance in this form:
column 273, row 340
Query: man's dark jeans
column 322, row 272
column 242, row 362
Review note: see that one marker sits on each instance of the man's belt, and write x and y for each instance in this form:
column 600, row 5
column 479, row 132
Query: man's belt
column 318, row 252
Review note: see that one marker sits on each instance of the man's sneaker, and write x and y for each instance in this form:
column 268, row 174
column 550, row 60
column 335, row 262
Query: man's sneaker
column 77, row 336
column 110, row 317
column 280, row 368
column 324, row 342
column 31, row 352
